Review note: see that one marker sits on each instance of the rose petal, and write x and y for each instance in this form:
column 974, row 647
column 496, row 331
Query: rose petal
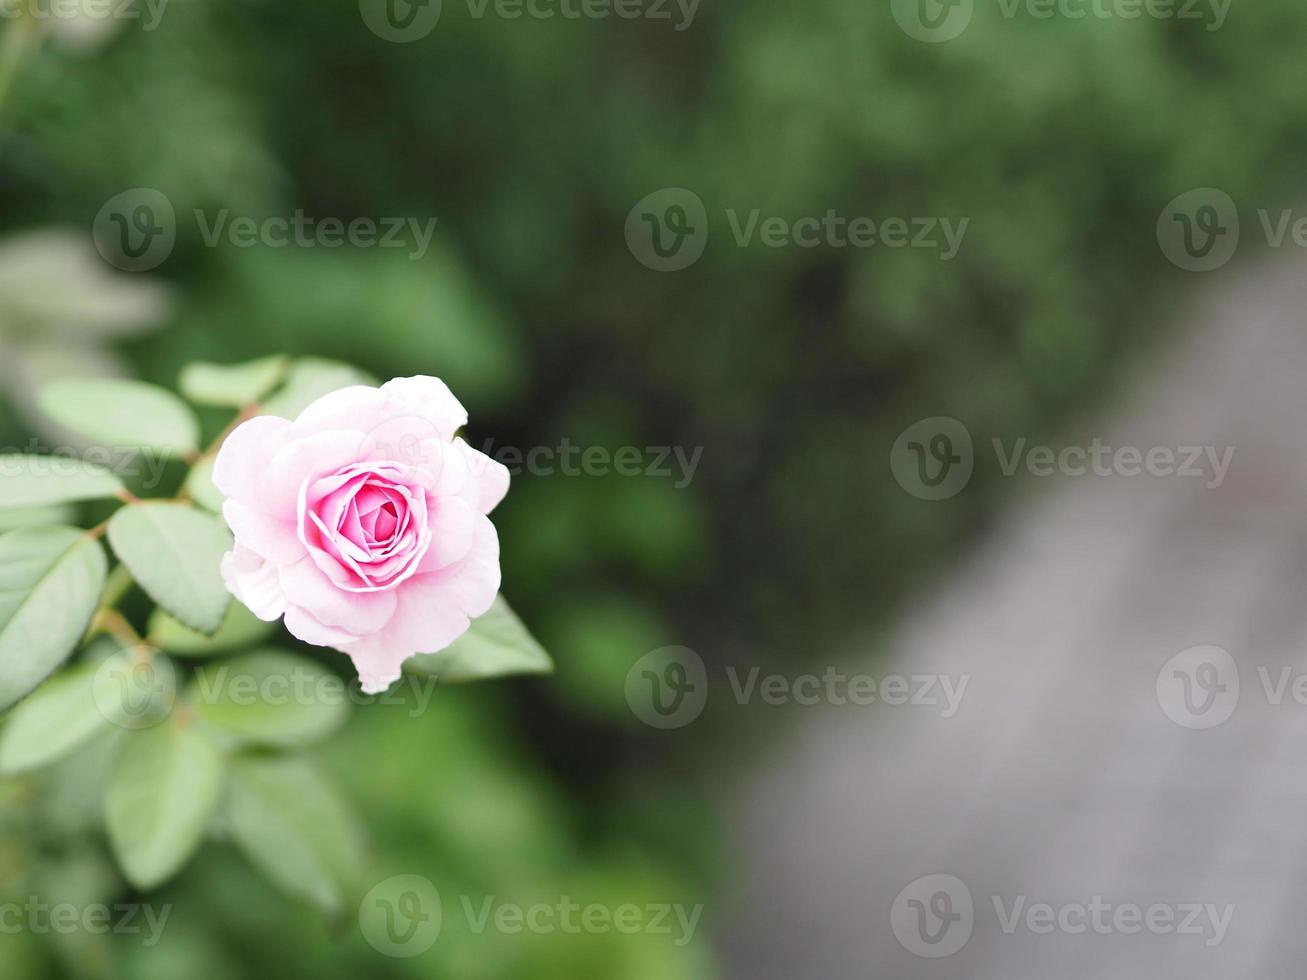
column 379, row 663
column 303, row 626
column 471, row 583
column 358, row 613
column 489, row 478
column 261, row 532
column 431, row 398
column 453, row 531
column 243, row 457
column 424, row 622
column 254, row 582
column 426, row 401
column 302, row 459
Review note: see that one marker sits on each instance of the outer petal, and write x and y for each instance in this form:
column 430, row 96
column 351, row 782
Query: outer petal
column 297, row 461
column 242, row 460
column 473, row 582
column 453, row 532
column 304, row 626
column 272, row 538
column 431, row 398
column 434, row 610
column 421, row 624
column 378, row 662
column 357, row 613
column 254, row 582
column 443, row 469
column 362, row 409
column 489, row 481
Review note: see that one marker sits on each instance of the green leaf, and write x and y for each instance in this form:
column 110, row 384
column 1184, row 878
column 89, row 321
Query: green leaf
column 122, row 414
column 293, row 827
column 240, row 628
column 55, row 720
column 14, row 517
column 234, row 385
column 496, row 644
column 136, row 688
column 50, row 584
column 308, row 380
column 174, row 550
column 199, row 485
column 72, row 791
column 270, row 698
column 29, row 481
column 163, row 790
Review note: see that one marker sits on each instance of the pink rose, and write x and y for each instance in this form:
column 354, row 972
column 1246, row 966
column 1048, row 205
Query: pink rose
column 363, row 522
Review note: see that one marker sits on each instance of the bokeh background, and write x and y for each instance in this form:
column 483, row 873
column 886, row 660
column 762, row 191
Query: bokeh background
column 530, row 140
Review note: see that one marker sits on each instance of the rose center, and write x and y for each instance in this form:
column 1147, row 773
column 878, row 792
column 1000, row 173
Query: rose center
column 367, row 527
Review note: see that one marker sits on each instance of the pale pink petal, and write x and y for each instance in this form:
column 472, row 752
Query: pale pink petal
column 345, row 408
column 362, row 409
column 254, row 582
column 431, row 398
column 304, row 626
column 446, row 471
column 378, row 664
column 243, row 458
column 274, row 539
column 300, row 459
column 474, row 581
column 489, row 482
column 453, row 530
column 358, row 613
column 422, row 624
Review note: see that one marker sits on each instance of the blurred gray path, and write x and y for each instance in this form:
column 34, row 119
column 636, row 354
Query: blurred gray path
column 1061, row 778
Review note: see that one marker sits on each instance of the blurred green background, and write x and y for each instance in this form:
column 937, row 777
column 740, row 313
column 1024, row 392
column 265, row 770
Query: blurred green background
column 531, row 140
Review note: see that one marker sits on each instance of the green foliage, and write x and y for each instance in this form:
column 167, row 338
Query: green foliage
column 50, row 581
column 112, row 749
column 122, row 415
column 161, row 795
column 497, row 644
column 199, row 486
column 174, row 551
column 307, row 380
column 294, row 828
column 52, row 722
column 29, row 481
column 270, row 698
column 240, row 628
column 235, row 385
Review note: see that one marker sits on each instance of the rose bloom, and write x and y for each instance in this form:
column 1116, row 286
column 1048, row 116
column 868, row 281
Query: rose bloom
column 363, row 523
